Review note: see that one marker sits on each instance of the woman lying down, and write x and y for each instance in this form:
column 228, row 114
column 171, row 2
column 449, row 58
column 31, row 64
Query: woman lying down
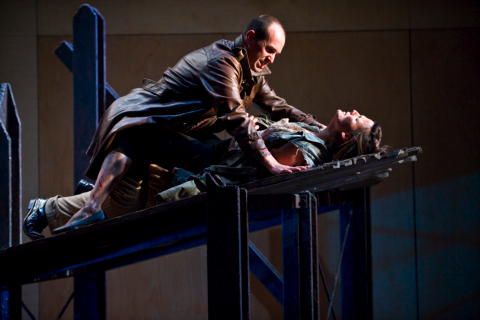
column 348, row 134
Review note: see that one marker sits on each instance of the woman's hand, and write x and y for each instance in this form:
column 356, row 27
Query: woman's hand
column 278, row 168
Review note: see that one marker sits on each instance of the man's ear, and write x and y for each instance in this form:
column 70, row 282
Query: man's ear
column 250, row 35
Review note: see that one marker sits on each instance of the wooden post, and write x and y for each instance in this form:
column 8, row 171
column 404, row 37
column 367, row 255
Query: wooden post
column 90, row 296
column 300, row 266
column 10, row 170
column 357, row 301
column 227, row 253
column 88, row 66
column 10, row 302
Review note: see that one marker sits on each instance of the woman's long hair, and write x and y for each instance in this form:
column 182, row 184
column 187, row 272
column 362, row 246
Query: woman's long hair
column 361, row 142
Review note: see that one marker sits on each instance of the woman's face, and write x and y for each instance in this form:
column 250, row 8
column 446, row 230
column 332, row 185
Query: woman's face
column 351, row 121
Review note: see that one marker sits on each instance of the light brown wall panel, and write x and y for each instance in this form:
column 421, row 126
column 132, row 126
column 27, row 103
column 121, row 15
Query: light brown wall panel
column 170, row 17
column 132, row 58
column 55, row 118
column 55, row 140
column 160, row 17
column 444, row 14
column 446, row 73
column 446, row 100
column 53, row 297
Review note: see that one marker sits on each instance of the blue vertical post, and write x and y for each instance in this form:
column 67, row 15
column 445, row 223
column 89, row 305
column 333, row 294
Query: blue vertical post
column 10, row 170
column 357, row 301
column 227, row 253
column 309, row 295
column 300, row 266
column 88, row 66
column 291, row 260
column 10, row 194
column 10, row 302
column 89, row 299
column 5, row 188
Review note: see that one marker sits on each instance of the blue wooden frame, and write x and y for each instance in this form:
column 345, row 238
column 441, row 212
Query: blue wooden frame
column 10, row 193
column 10, row 173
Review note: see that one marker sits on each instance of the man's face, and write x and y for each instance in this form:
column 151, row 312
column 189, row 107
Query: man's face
column 262, row 52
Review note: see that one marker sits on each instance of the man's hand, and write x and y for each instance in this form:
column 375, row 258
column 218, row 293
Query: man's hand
column 319, row 125
column 254, row 121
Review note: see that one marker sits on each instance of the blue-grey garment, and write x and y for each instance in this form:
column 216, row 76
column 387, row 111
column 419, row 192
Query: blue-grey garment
column 313, row 148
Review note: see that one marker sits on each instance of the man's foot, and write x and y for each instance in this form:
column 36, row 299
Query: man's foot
column 36, row 219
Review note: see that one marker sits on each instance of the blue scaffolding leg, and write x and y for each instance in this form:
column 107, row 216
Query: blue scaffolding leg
column 88, row 67
column 227, row 253
column 356, row 269
column 300, row 265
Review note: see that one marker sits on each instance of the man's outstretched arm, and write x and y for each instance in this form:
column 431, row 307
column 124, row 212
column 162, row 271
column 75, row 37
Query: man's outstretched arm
column 278, row 107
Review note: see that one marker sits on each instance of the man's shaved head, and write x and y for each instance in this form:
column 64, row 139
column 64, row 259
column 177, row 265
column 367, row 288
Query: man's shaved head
column 260, row 26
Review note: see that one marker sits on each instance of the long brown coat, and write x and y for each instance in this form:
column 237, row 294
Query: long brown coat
column 208, row 89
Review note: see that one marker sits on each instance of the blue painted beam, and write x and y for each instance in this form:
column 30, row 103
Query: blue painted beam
column 65, row 52
column 265, row 272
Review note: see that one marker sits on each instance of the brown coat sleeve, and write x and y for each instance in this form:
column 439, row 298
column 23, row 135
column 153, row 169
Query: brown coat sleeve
column 221, row 81
column 277, row 107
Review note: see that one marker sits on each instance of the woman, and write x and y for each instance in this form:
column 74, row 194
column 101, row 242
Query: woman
column 348, row 134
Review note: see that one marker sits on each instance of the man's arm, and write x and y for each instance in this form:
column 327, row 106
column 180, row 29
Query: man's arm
column 278, row 108
column 221, row 83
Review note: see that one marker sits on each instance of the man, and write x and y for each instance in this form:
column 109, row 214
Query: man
column 207, row 91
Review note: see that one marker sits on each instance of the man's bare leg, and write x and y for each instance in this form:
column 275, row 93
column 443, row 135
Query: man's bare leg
column 113, row 168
